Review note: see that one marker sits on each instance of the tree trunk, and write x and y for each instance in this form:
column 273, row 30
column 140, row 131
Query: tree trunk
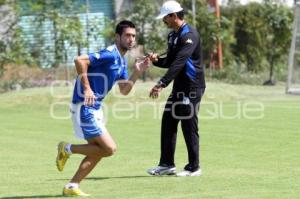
column 1, row 68
column 271, row 81
column 271, row 69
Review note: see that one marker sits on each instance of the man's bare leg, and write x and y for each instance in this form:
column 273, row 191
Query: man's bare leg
column 97, row 148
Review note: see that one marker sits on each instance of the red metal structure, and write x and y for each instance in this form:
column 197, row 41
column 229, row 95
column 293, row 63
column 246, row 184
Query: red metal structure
column 216, row 57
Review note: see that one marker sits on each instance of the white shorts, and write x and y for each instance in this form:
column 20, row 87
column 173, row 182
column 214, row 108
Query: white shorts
column 87, row 121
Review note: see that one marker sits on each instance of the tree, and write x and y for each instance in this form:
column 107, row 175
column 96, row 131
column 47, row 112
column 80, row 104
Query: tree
column 67, row 29
column 250, row 29
column 12, row 46
column 278, row 35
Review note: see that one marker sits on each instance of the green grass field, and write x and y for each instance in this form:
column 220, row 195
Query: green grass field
column 250, row 146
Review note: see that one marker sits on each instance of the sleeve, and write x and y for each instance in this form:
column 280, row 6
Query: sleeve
column 188, row 43
column 100, row 58
column 161, row 63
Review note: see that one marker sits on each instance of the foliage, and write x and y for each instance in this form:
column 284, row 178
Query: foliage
column 108, row 32
column 21, row 76
column 12, row 46
column 151, row 33
column 250, row 35
column 67, row 29
column 278, row 20
column 236, row 73
column 262, row 33
column 211, row 30
column 250, row 31
column 255, row 37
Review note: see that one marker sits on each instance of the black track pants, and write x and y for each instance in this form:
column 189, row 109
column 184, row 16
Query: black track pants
column 184, row 109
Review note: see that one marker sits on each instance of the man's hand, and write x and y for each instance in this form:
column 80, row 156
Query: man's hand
column 154, row 93
column 153, row 57
column 141, row 66
column 89, row 97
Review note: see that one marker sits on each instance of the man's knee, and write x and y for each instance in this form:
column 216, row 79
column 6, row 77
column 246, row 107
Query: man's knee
column 110, row 150
column 105, row 152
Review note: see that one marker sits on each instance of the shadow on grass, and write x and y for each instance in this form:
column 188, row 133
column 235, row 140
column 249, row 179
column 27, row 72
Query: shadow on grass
column 108, row 178
column 38, row 196
column 116, row 177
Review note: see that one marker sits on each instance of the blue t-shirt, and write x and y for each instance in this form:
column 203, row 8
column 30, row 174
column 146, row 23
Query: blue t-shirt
column 106, row 67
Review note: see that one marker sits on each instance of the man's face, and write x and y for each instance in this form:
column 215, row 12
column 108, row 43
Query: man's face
column 127, row 39
column 169, row 20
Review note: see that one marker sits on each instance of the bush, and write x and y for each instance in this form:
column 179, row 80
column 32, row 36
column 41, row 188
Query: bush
column 22, row 76
column 236, row 73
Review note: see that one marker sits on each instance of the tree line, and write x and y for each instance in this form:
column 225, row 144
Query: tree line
column 255, row 37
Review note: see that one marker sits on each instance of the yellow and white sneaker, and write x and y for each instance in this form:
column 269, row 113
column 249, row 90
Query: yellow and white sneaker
column 74, row 192
column 62, row 156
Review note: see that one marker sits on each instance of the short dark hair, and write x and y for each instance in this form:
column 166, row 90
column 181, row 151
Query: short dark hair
column 122, row 25
column 180, row 14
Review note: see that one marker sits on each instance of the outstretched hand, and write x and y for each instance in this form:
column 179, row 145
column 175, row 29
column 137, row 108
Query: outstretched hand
column 141, row 66
column 153, row 57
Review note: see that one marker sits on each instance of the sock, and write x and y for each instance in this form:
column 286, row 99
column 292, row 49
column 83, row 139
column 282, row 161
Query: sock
column 68, row 149
column 72, row 185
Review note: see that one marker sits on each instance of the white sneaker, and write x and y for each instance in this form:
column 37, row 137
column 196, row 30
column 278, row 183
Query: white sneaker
column 185, row 173
column 159, row 171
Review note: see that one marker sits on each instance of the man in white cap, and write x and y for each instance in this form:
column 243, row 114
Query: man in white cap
column 185, row 67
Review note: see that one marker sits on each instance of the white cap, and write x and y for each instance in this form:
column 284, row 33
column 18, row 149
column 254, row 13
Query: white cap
column 169, row 7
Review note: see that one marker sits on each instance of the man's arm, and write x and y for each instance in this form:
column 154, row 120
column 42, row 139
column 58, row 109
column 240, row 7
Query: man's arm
column 189, row 43
column 125, row 86
column 82, row 63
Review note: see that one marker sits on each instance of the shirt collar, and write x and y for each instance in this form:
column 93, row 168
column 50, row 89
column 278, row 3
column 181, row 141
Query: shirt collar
column 180, row 29
column 121, row 57
column 118, row 51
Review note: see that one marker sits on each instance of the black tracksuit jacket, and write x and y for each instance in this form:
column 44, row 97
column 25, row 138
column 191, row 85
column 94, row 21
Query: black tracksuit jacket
column 184, row 62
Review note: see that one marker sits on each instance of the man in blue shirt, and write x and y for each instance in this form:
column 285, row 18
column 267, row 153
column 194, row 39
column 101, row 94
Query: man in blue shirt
column 97, row 73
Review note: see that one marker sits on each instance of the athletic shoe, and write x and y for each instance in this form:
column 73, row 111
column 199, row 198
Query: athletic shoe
column 160, row 170
column 74, row 192
column 185, row 173
column 62, row 156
